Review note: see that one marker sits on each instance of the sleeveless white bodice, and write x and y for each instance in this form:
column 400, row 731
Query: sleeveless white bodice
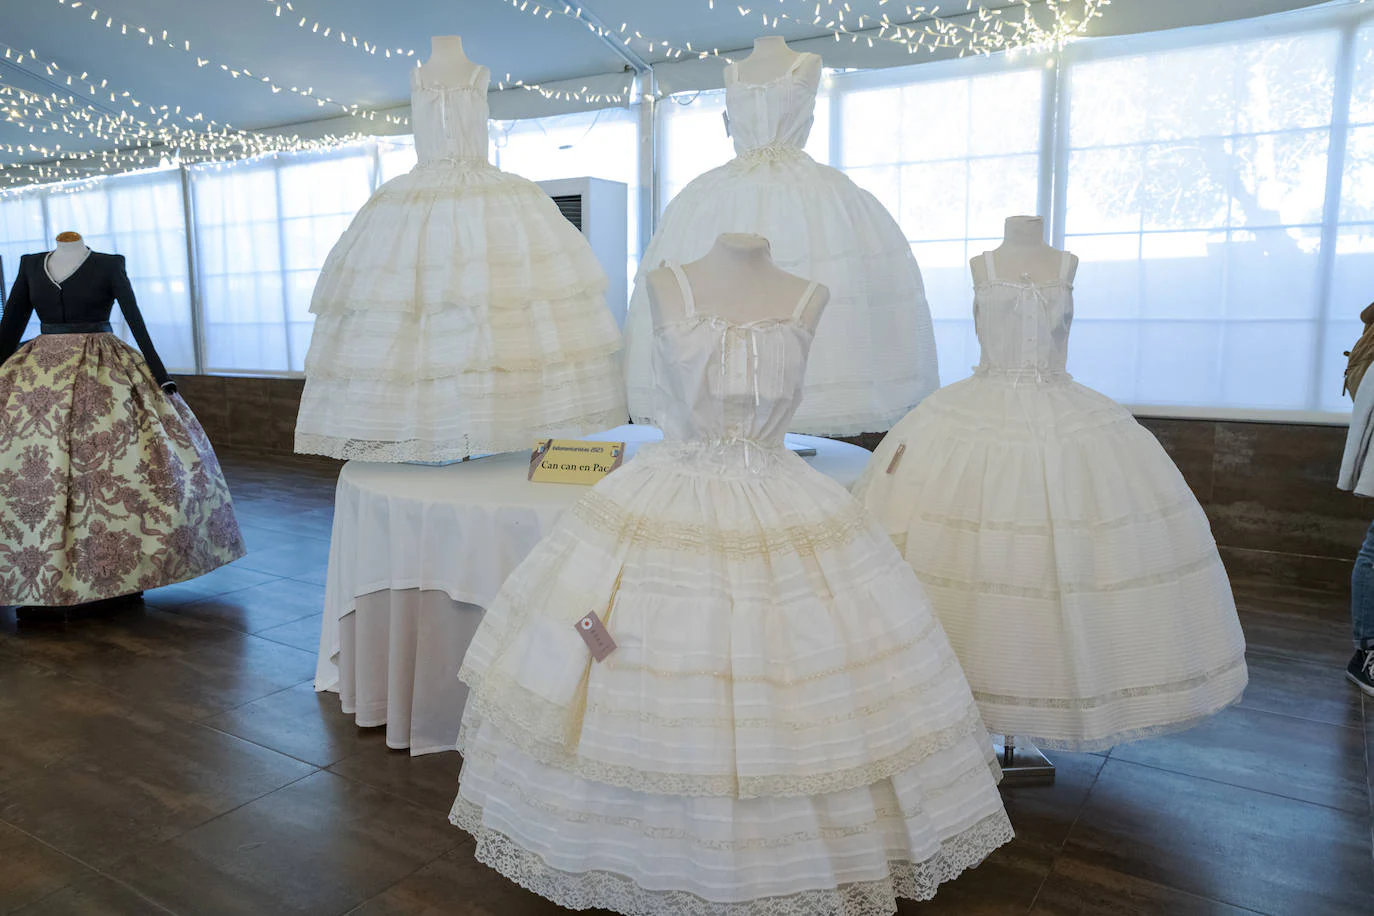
column 723, row 381
column 450, row 122
column 776, row 113
column 1023, row 326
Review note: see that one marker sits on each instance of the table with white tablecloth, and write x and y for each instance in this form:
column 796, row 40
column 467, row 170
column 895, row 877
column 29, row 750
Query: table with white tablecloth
column 417, row 552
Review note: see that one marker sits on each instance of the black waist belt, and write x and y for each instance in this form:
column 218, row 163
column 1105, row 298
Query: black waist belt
column 80, row 327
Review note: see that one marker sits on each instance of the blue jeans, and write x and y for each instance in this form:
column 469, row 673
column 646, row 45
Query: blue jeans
column 1362, row 593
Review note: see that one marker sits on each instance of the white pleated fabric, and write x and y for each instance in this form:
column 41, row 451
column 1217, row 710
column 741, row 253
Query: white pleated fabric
column 783, row 728
column 1070, row 564
column 459, row 313
column 874, row 355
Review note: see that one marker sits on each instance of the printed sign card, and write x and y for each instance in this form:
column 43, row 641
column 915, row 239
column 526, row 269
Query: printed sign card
column 574, row 461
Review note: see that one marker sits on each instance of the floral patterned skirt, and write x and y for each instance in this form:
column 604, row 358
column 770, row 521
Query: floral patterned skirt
column 108, row 485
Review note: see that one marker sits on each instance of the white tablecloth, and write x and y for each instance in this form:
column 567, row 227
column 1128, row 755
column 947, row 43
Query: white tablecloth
column 417, row 552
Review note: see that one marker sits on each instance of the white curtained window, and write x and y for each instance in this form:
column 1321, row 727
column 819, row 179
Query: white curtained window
column 588, row 144
column 263, row 229
column 1217, row 183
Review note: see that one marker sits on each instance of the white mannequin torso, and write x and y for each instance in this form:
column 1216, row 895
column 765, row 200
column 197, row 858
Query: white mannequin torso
column 447, row 65
column 739, row 277
column 65, row 258
column 1024, row 254
column 770, row 59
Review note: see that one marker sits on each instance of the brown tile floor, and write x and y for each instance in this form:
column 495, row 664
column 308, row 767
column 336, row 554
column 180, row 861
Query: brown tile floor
column 174, row 758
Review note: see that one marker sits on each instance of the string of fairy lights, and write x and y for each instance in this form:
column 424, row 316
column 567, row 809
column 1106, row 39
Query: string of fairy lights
column 89, row 126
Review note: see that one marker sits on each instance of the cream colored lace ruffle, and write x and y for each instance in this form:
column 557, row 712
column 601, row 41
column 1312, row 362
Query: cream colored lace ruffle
column 524, row 723
column 1206, row 561
column 929, row 792
column 430, row 451
column 909, row 880
column 604, row 514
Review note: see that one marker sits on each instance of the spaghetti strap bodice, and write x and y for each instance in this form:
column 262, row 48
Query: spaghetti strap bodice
column 774, row 114
column 450, row 122
column 719, row 379
column 1023, row 325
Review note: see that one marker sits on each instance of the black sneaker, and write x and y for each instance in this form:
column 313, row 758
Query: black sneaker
column 1360, row 671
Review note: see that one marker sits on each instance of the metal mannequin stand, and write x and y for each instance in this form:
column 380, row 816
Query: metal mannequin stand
column 1024, row 765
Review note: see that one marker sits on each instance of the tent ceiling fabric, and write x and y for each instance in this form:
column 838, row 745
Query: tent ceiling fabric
column 248, row 34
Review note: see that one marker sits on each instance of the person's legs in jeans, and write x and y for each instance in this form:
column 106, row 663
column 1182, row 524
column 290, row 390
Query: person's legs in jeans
column 1361, row 668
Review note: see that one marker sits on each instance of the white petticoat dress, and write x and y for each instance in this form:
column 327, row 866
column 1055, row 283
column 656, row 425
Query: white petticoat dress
column 874, row 355
column 783, row 729
column 460, row 313
column 1070, row 564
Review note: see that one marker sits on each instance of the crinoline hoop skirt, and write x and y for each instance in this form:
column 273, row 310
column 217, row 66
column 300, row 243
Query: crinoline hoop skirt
column 1068, row 560
column 459, row 314
column 783, row 728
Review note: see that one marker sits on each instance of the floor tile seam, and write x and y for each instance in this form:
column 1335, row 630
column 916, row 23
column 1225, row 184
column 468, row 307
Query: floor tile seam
column 217, row 623
column 141, row 702
column 383, row 789
column 1296, row 718
column 262, row 572
column 125, row 860
column 1274, row 655
column 1286, row 655
column 292, row 534
column 28, row 907
column 202, row 720
column 233, row 591
column 1063, row 846
column 1161, row 884
column 315, row 766
column 262, row 634
column 89, row 866
column 1078, row 815
column 1222, row 782
column 414, row 871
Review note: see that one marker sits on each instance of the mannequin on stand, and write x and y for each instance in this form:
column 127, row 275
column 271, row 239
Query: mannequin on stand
column 771, row 59
column 447, row 65
column 1024, row 254
column 69, row 254
column 738, row 269
column 144, row 506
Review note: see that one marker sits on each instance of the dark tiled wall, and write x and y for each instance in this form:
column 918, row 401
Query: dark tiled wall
column 1270, row 491
column 250, row 413
column 1269, row 488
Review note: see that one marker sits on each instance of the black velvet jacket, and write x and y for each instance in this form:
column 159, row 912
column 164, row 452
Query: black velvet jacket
column 86, row 296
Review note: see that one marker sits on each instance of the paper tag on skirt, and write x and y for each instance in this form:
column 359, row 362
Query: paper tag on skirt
column 595, row 635
column 896, row 457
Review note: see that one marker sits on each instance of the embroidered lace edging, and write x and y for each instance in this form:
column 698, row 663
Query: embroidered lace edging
column 604, row 514
column 529, row 742
column 347, row 449
column 1208, row 561
column 978, row 773
column 910, row 880
column 1089, row 745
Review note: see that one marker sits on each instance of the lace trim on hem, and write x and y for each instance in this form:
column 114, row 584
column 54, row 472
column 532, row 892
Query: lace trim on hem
column 605, row 889
column 578, row 359
column 418, row 306
column 1182, row 507
column 529, row 741
column 833, row 671
column 1129, row 735
column 978, row 772
column 604, row 514
column 1103, row 699
column 445, row 450
column 930, row 580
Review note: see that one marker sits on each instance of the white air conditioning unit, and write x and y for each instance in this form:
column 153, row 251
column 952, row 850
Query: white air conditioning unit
column 597, row 208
